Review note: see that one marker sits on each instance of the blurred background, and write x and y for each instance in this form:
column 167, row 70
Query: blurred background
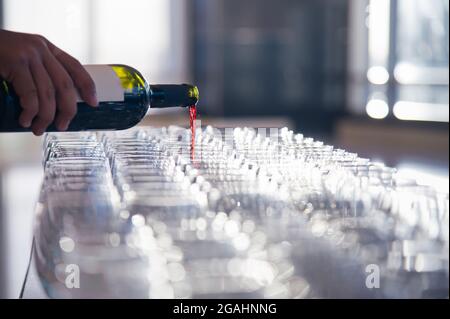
column 370, row 76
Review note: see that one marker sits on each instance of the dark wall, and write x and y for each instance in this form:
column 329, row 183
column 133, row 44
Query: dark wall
column 1, row 13
column 272, row 58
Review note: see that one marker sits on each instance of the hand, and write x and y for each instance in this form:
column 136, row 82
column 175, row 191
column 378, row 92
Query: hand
column 45, row 78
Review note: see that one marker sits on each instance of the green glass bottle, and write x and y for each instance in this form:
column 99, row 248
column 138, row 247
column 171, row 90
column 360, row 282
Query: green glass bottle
column 132, row 98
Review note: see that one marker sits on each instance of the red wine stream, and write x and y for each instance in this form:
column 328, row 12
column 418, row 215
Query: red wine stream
column 192, row 118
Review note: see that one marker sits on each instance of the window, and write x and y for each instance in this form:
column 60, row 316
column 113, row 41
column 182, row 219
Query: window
column 146, row 34
column 407, row 59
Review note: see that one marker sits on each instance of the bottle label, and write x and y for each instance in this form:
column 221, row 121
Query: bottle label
column 107, row 83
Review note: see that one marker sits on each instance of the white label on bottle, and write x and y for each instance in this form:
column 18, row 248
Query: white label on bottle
column 107, row 83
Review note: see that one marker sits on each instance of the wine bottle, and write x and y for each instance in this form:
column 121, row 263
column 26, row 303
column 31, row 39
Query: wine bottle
column 124, row 98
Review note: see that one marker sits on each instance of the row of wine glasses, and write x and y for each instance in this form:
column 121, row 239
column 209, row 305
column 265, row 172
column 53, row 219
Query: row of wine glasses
column 246, row 216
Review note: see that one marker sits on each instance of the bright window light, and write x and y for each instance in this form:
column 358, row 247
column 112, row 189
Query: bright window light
column 65, row 23
column 377, row 109
column 378, row 75
column 378, row 23
column 406, row 73
column 415, row 111
column 134, row 32
column 148, row 35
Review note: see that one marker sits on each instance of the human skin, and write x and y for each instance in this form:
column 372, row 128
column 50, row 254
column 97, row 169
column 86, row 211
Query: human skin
column 45, row 78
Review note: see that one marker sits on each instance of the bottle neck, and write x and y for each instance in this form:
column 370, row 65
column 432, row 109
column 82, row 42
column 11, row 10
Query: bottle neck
column 173, row 95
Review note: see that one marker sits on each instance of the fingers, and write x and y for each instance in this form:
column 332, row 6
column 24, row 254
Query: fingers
column 46, row 96
column 66, row 98
column 80, row 76
column 45, row 80
column 27, row 92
